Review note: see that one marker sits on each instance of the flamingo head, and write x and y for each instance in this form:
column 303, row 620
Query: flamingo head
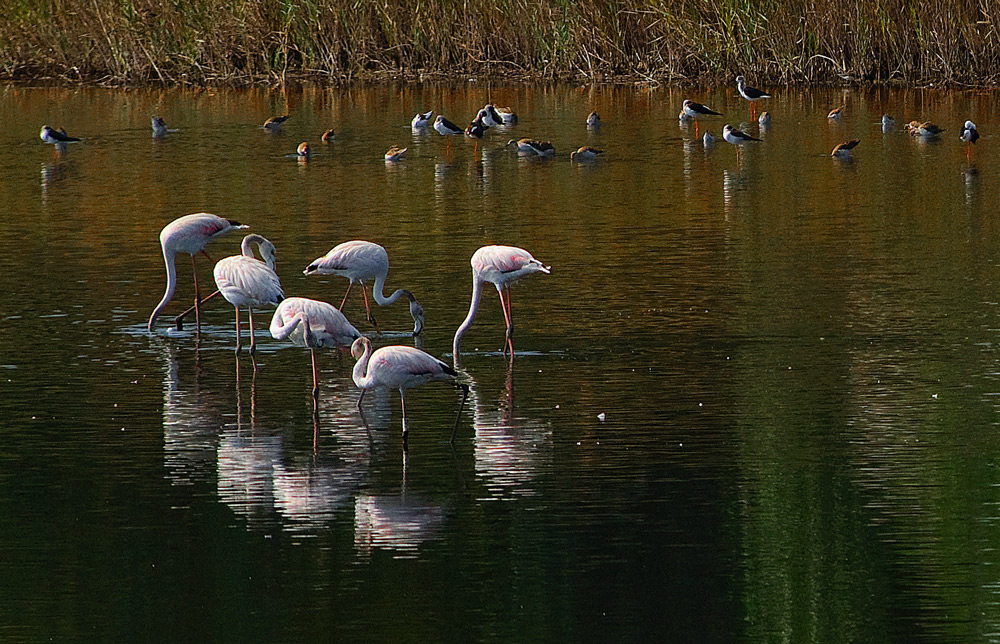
column 361, row 346
column 267, row 252
column 417, row 312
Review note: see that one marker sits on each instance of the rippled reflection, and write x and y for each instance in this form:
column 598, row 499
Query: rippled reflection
column 511, row 451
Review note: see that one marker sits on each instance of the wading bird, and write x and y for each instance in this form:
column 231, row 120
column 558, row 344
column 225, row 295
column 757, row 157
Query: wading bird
column 586, row 153
column 593, row 120
column 508, row 115
column 395, row 153
column 750, row 93
column 697, row 111
column 421, row 120
column 189, row 234
column 446, row 128
column 56, row 137
column 401, row 367
column 836, row 113
column 500, row 266
column 843, row 150
column 736, row 137
column 363, row 261
column 303, row 149
column 970, row 135
column 159, row 126
column 248, row 282
column 888, row 124
column 327, row 136
column 274, row 123
column 533, row 146
column 312, row 324
column 765, row 120
column 925, row 130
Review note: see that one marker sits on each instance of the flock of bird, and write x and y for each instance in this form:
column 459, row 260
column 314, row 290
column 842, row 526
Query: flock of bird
column 247, row 282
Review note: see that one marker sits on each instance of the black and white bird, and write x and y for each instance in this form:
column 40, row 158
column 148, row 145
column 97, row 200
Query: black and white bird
column 54, row 136
column 737, row 138
column 421, row 120
column 970, row 135
column 750, row 93
column 843, row 150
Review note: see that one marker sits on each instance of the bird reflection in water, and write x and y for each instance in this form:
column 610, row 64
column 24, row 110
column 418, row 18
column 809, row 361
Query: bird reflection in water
column 510, row 451
column 400, row 523
column 191, row 419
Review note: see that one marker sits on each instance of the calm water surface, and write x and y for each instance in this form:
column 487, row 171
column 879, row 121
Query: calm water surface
column 796, row 358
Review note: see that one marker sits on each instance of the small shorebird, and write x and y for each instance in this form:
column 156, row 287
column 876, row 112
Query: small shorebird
column 843, row 150
column 836, row 113
column 54, row 136
column 749, row 93
column 696, row 110
column 683, row 118
column 764, row 120
column 476, row 130
column 274, row 123
column 303, row 149
column 586, row 153
column 593, row 121
column 421, row 120
column 489, row 116
column 887, row 123
column 508, row 115
column 970, row 135
column 736, row 137
column 926, row 130
column 159, row 126
column 532, row 146
column 444, row 127
column 327, row 136
column 401, row 367
column 395, row 153
column 708, row 140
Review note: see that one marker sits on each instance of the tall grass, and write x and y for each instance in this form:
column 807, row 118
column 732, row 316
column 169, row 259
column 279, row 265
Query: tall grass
column 247, row 41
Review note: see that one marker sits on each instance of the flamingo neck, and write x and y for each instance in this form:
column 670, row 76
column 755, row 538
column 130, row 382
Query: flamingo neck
column 477, row 292
column 360, row 375
column 382, row 299
column 280, row 329
column 168, row 257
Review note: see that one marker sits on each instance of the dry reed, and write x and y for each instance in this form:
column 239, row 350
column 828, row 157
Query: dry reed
column 248, row 41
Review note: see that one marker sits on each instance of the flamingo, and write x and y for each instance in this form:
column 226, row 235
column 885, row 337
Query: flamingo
column 502, row 266
column 189, row 234
column 401, row 367
column 246, row 281
column 312, row 323
column 361, row 261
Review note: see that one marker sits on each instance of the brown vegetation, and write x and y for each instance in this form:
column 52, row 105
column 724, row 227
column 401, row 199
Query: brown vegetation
column 247, row 41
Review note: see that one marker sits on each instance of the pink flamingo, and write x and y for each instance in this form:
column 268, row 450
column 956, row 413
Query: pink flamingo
column 362, row 261
column 189, row 234
column 246, row 281
column 312, row 323
column 502, row 266
column 401, row 367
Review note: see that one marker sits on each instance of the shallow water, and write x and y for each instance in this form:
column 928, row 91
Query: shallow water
column 795, row 356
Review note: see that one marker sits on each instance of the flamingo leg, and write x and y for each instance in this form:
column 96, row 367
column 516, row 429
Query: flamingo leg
column 344, row 301
column 402, row 402
column 360, row 398
column 253, row 343
column 197, row 293
column 316, row 376
column 179, row 320
column 506, row 320
column 239, row 342
column 371, row 318
column 465, row 394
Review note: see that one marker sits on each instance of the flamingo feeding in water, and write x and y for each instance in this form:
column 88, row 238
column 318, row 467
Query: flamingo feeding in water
column 189, row 234
column 501, row 266
column 362, row 261
column 312, row 324
column 247, row 281
column 401, row 367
